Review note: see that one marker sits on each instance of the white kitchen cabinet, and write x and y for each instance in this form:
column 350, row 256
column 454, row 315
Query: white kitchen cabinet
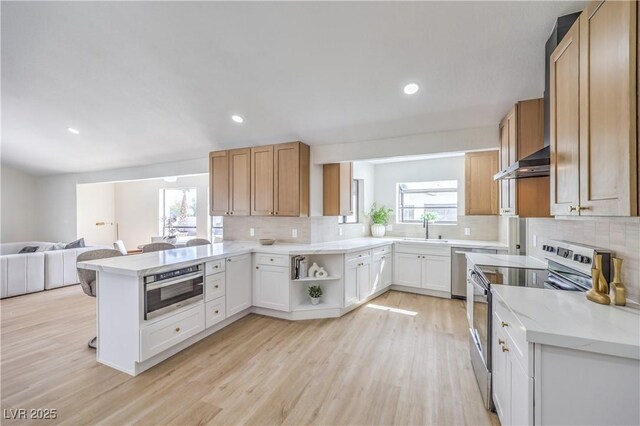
column 381, row 271
column 238, row 283
column 428, row 268
column 408, row 268
column 357, row 279
column 271, row 287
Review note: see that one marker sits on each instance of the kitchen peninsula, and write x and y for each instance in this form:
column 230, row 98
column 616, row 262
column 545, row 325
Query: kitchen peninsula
column 139, row 324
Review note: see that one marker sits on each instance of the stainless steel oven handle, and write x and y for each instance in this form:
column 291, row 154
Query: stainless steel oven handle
column 484, row 290
column 160, row 284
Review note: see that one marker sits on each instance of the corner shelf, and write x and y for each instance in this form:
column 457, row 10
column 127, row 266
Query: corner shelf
column 308, row 279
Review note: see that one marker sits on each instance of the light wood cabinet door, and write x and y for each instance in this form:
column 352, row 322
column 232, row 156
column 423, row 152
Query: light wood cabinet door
column 504, row 163
column 262, row 185
column 565, row 124
column 238, row 283
column 337, row 188
column 481, row 191
column 287, row 179
column 218, row 183
column 239, row 182
column 271, row 287
column 608, row 147
column 436, row 273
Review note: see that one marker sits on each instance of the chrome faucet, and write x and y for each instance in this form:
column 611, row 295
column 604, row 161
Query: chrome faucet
column 425, row 225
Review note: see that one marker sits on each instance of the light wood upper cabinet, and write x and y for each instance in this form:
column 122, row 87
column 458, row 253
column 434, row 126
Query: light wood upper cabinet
column 608, row 102
column 291, row 179
column 265, row 180
column 262, row 181
column 522, row 134
column 594, row 162
column 337, row 182
column 481, row 191
column 565, row 123
column 219, row 183
column 240, row 182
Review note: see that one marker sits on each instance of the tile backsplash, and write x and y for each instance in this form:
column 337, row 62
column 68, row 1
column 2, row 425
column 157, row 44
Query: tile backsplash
column 484, row 228
column 620, row 235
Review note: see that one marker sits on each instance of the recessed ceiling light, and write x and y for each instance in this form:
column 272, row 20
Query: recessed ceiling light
column 171, row 179
column 72, row 130
column 238, row 119
column 411, row 88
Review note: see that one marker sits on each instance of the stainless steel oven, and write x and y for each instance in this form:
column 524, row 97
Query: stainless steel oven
column 479, row 304
column 167, row 291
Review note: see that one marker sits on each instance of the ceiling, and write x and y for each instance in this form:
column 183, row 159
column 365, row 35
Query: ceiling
column 155, row 82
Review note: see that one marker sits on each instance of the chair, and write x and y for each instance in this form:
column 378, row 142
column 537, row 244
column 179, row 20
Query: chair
column 119, row 245
column 88, row 277
column 198, row 242
column 148, row 248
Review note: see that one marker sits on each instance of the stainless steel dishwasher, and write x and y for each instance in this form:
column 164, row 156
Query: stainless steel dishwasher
column 459, row 269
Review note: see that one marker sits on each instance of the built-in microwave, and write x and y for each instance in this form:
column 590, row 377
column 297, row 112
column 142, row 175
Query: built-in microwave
column 167, row 291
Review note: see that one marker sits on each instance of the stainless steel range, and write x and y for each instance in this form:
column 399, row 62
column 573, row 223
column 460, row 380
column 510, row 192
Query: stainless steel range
column 568, row 268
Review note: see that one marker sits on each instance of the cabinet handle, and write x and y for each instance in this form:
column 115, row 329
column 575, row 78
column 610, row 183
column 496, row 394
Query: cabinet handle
column 270, row 260
column 177, row 329
column 230, row 212
column 504, row 324
column 501, row 342
column 505, row 349
column 276, row 213
column 257, row 267
column 228, row 260
column 216, row 286
column 215, row 267
column 216, row 311
column 572, row 208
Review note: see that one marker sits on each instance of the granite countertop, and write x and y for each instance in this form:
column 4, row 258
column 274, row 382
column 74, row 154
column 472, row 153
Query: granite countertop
column 567, row 319
column 506, row 261
column 148, row 263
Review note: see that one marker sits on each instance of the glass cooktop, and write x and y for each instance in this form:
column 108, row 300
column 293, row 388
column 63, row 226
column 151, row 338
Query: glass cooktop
column 515, row 276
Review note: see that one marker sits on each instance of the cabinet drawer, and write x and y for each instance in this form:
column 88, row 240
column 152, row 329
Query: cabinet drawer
column 513, row 331
column 214, row 286
column 272, row 259
column 384, row 255
column 424, row 248
column 214, row 266
column 168, row 332
column 382, row 250
column 214, row 311
column 359, row 255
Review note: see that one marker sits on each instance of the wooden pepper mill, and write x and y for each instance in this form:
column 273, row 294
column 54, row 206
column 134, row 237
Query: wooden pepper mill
column 618, row 291
column 595, row 295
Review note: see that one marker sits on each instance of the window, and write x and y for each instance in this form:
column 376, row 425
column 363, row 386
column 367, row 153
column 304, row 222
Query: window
column 417, row 198
column 216, row 228
column 178, row 212
column 355, row 202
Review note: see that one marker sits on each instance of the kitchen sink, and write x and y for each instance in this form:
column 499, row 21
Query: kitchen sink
column 430, row 240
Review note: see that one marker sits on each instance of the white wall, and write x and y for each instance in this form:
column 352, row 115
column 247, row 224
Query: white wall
column 366, row 172
column 137, row 207
column 95, row 205
column 18, row 206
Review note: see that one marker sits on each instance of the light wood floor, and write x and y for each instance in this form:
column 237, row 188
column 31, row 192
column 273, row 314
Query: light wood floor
column 372, row 366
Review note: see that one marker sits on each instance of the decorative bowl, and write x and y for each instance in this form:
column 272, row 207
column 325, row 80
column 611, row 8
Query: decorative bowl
column 266, row 241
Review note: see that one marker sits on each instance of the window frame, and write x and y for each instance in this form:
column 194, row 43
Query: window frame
column 356, row 192
column 401, row 208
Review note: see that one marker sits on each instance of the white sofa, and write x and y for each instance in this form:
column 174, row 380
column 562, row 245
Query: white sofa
column 42, row 270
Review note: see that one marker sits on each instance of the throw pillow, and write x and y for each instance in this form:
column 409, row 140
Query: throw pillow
column 58, row 246
column 75, row 244
column 29, row 249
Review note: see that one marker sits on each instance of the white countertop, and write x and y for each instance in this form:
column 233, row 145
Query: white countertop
column 148, row 263
column 567, row 319
column 506, row 261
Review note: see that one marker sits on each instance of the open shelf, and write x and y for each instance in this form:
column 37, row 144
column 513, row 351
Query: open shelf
column 308, row 279
column 322, row 305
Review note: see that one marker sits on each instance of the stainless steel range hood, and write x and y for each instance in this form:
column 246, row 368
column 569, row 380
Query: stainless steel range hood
column 534, row 165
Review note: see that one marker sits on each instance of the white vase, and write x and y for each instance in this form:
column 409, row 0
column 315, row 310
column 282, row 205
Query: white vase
column 321, row 273
column 312, row 270
column 377, row 230
column 315, row 300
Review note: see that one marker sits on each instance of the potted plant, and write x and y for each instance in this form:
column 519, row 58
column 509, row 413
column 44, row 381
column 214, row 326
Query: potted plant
column 380, row 219
column 315, row 292
column 430, row 217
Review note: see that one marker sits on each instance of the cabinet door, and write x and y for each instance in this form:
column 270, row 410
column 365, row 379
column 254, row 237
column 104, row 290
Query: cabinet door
column 239, row 182
column 608, row 147
column 351, row 284
column 271, row 287
column 218, row 183
column 262, row 181
column 504, row 163
column 346, row 184
column 387, row 270
column 436, row 273
column 376, row 274
column 565, row 124
column 521, row 387
column 287, row 179
column 512, row 121
column 408, row 269
column 499, row 379
column 238, row 283
column 481, row 191
column 364, row 280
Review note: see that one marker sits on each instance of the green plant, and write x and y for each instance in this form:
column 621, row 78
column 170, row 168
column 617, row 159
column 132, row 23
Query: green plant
column 380, row 216
column 315, row 291
column 430, row 216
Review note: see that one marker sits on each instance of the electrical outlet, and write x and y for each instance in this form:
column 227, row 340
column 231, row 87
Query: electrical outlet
column 252, row 232
column 339, row 230
column 467, row 231
column 535, row 240
column 294, row 233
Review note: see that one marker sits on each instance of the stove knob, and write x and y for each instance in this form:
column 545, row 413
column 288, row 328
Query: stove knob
column 545, row 247
column 577, row 258
column 586, row 259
